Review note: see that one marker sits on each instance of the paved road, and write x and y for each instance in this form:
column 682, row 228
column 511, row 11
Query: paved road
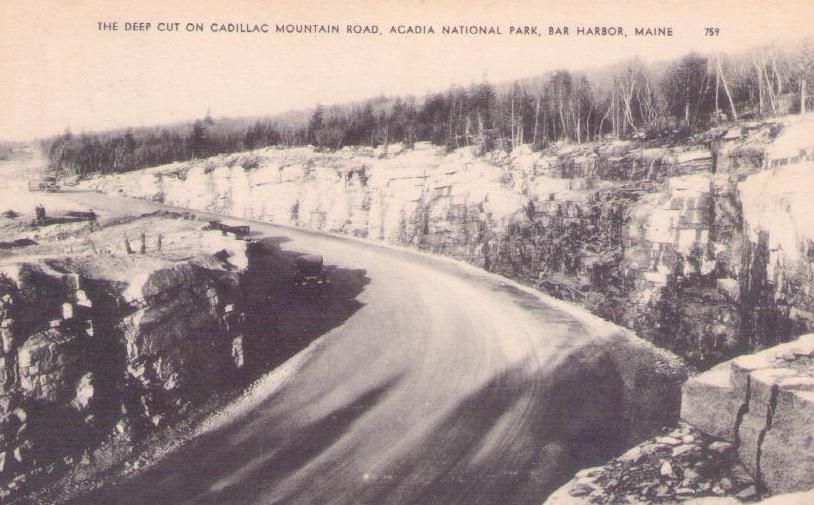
column 446, row 386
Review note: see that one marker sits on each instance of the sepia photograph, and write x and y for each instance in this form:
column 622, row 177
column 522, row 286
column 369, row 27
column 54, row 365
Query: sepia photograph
column 406, row 252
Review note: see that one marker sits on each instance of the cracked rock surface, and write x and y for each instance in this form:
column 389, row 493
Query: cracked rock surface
column 763, row 403
column 100, row 345
column 707, row 259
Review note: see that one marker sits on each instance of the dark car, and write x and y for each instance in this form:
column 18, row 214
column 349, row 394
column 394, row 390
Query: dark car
column 311, row 275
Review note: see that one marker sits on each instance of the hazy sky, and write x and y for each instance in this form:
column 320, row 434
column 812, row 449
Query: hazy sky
column 57, row 69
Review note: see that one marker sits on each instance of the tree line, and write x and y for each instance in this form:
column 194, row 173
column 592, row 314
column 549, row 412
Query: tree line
column 631, row 99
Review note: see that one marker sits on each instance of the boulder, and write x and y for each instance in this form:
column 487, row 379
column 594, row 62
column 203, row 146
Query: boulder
column 763, row 403
column 704, row 398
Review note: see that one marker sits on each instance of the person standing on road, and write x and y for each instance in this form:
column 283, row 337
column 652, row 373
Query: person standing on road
column 39, row 210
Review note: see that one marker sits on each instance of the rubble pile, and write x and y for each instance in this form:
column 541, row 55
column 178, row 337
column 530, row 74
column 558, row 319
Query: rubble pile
column 678, row 465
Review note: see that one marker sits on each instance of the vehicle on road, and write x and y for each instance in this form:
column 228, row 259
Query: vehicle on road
column 237, row 231
column 46, row 183
column 311, row 276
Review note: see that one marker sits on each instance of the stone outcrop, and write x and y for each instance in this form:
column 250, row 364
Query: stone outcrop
column 703, row 248
column 746, row 434
column 764, row 404
column 104, row 344
column 42, row 360
column 176, row 343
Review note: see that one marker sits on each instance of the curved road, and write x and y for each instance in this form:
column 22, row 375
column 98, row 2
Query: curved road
column 447, row 386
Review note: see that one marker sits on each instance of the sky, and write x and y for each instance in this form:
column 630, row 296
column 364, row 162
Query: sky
column 58, row 70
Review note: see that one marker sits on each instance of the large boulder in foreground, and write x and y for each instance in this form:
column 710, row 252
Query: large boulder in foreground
column 764, row 404
column 747, row 429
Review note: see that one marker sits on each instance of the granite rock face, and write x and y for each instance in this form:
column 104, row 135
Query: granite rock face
column 764, row 404
column 746, row 434
column 111, row 344
column 177, row 344
column 704, row 248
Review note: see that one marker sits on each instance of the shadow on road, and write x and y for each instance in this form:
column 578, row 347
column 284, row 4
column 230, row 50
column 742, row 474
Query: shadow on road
column 281, row 320
column 569, row 419
column 263, row 449
column 222, row 466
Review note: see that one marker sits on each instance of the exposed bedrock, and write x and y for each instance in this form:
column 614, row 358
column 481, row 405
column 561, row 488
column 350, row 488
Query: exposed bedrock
column 70, row 377
column 764, row 404
column 747, row 432
column 114, row 330
column 111, row 344
column 705, row 248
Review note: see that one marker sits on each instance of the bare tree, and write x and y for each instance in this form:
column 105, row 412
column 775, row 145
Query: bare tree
column 721, row 75
column 804, row 66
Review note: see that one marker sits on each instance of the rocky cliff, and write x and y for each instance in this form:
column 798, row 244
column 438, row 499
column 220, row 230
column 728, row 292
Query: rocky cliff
column 704, row 247
column 105, row 336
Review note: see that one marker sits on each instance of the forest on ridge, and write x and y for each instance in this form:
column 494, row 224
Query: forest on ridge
column 627, row 100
